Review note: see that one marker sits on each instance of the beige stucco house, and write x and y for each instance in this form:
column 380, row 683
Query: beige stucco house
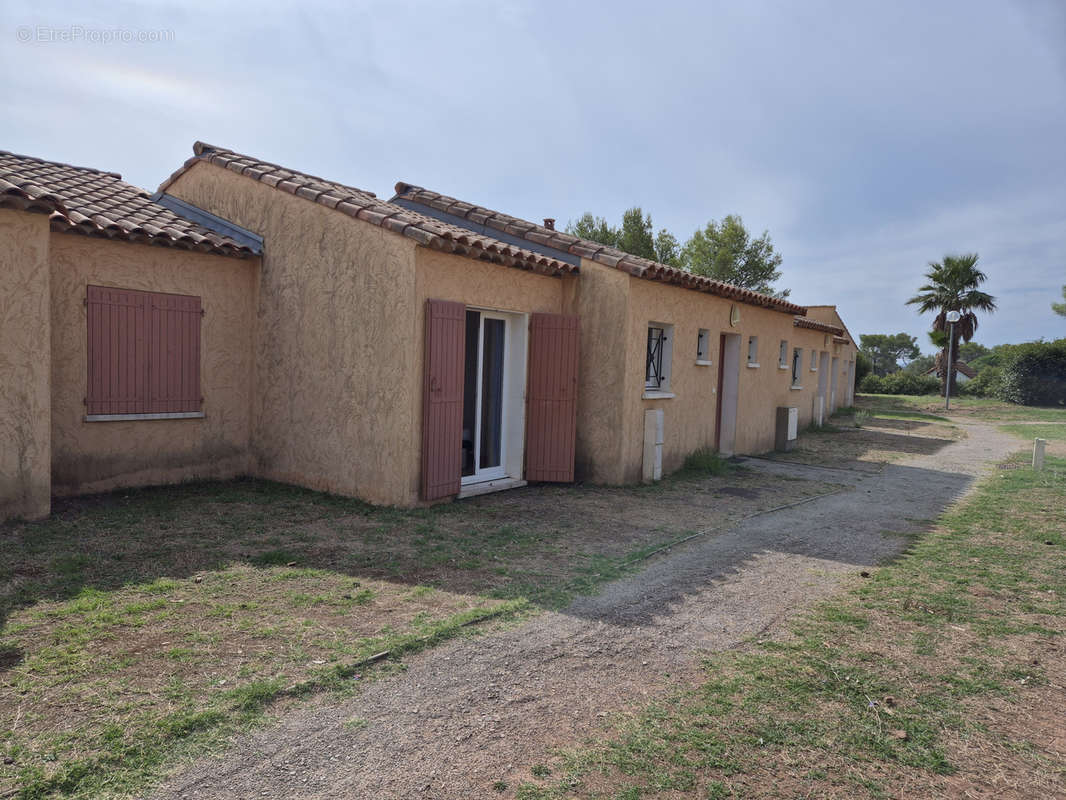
column 401, row 352
column 672, row 362
column 87, row 260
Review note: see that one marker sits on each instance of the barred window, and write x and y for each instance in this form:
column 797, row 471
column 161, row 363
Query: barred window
column 654, row 378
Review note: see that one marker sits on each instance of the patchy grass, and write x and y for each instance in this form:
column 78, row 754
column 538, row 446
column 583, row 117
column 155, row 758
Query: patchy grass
column 705, row 462
column 856, row 438
column 943, row 673
column 975, row 407
column 1054, row 433
column 884, row 413
column 145, row 626
column 1051, row 432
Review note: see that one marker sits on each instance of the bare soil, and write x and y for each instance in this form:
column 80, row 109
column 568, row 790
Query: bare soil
column 476, row 711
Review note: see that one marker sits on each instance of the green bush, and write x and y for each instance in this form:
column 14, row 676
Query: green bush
column 988, row 383
column 871, row 384
column 900, row 383
column 1035, row 374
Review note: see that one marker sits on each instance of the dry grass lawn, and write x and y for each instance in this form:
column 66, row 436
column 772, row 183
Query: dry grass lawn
column 143, row 626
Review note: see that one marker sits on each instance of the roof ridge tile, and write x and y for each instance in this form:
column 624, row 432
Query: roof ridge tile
column 366, row 206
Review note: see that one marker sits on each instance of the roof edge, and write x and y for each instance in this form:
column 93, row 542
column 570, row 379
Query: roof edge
column 594, row 251
column 365, row 205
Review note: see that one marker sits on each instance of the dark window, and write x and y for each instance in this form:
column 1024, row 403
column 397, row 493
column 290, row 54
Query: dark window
column 703, row 342
column 654, row 376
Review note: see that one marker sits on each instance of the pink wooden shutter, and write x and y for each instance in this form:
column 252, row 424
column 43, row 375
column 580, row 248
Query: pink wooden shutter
column 442, row 401
column 116, row 344
column 552, row 425
column 174, row 353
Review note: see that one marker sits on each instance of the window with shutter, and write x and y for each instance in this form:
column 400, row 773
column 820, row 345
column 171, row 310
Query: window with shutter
column 143, row 353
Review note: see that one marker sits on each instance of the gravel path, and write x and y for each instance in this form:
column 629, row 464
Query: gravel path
column 478, row 710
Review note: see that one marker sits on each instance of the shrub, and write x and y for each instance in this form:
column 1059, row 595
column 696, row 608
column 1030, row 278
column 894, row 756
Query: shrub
column 906, row 383
column 900, row 383
column 871, row 384
column 864, row 366
column 988, row 383
column 1035, row 374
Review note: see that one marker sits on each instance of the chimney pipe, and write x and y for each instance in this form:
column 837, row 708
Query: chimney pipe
column 549, row 223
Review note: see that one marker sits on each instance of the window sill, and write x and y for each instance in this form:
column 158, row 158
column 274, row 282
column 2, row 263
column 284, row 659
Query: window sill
column 655, row 394
column 795, row 388
column 814, row 369
column 702, row 362
column 782, row 366
column 753, row 366
column 128, row 417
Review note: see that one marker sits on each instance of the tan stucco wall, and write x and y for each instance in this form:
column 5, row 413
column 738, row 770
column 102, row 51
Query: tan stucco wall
column 845, row 352
column 96, row 456
column 600, row 296
column 478, row 284
column 336, row 368
column 25, row 335
column 611, row 446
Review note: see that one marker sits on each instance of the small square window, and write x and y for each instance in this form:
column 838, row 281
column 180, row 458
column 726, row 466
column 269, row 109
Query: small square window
column 703, row 346
column 782, row 356
column 753, row 351
column 657, row 364
column 797, row 367
column 814, row 360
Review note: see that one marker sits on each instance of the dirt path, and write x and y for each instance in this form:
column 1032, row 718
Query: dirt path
column 475, row 711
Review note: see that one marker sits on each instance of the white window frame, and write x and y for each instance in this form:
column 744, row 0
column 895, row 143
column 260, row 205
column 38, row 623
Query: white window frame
column 703, row 348
column 814, row 359
column 782, row 356
column 753, row 352
column 661, row 389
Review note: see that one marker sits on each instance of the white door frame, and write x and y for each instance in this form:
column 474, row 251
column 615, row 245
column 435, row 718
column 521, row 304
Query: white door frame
column 512, row 412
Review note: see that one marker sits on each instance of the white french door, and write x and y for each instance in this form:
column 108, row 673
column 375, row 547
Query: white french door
column 485, row 402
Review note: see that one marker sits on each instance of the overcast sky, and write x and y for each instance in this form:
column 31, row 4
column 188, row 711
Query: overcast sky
column 869, row 138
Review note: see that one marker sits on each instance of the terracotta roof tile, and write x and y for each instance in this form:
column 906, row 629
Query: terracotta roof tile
column 609, row 256
column 815, row 325
column 95, row 203
column 365, row 206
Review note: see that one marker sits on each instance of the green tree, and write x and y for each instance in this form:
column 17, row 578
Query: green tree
column 863, row 366
column 953, row 286
column 667, row 248
column 921, row 365
column 971, row 351
column 637, row 237
column 886, row 350
column 594, row 229
column 726, row 252
column 995, row 357
column 1060, row 308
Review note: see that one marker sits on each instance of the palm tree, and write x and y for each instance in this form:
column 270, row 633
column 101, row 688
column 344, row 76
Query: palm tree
column 953, row 286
